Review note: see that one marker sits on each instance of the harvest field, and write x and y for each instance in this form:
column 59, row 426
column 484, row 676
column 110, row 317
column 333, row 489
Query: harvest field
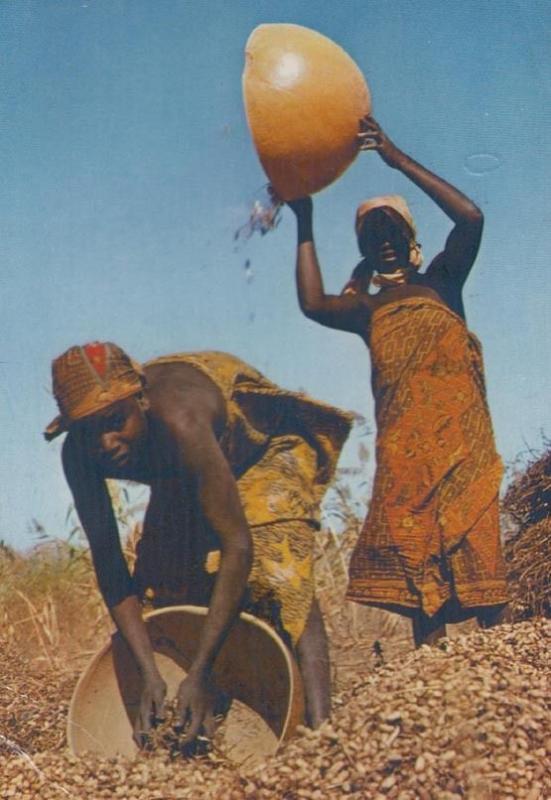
column 467, row 719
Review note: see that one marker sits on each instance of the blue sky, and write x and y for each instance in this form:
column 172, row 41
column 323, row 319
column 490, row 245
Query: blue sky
column 127, row 167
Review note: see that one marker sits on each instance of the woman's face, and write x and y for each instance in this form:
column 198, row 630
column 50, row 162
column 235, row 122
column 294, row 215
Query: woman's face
column 383, row 242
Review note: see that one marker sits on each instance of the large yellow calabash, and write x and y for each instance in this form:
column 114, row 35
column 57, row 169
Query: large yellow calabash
column 304, row 97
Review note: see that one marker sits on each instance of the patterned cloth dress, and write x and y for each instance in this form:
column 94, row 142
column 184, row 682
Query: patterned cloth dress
column 432, row 530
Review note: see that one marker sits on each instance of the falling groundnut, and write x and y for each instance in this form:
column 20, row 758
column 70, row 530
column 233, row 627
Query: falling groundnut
column 304, row 97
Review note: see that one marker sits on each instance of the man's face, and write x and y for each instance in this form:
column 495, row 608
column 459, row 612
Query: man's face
column 114, row 435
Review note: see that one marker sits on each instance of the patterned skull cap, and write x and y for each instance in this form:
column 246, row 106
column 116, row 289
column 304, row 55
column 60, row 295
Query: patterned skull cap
column 87, row 379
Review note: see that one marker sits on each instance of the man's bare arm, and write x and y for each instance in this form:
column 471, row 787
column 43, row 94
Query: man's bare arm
column 95, row 511
column 203, row 460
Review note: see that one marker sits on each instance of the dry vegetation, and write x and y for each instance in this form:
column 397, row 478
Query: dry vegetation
column 528, row 507
column 469, row 719
column 45, row 597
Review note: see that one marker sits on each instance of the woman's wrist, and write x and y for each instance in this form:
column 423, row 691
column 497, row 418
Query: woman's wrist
column 395, row 158
column 304, row 228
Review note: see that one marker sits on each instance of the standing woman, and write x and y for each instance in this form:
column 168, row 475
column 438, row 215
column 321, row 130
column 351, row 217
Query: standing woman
column 430, row 546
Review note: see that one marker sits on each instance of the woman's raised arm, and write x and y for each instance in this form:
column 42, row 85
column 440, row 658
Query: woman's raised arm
column 344, row 312
column 464, row 240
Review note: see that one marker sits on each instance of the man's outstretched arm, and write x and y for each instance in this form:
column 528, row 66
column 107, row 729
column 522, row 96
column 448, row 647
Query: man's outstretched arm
column 95, row 511
column 202, row 458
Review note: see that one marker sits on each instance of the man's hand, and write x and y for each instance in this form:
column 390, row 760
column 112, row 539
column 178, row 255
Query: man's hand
column 372, row 137
column 196, row 708
column 302, row 207
column 152, row 708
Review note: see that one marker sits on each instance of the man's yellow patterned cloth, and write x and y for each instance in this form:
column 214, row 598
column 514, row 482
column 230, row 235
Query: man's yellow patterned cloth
column 283, row 448
column 432, row 531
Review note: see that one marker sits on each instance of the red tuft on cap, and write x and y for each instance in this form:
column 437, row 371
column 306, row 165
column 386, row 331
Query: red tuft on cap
column 97, row 356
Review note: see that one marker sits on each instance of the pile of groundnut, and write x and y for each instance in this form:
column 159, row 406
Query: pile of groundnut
column 468, row 719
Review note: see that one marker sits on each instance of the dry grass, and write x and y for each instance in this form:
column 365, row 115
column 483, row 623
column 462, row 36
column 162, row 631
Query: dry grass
column 527, row 505
column 50, row 609
column 360, row 638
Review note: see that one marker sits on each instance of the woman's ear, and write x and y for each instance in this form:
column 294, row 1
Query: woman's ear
column 350, row 288
column 143, row 402
column 360, row 279
column 415, row 255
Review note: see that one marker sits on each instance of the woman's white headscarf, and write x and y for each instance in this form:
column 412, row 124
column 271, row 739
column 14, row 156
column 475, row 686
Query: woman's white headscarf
column 399, row 205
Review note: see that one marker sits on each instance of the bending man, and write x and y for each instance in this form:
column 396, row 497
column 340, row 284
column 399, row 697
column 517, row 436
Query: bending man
column 237, row 469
